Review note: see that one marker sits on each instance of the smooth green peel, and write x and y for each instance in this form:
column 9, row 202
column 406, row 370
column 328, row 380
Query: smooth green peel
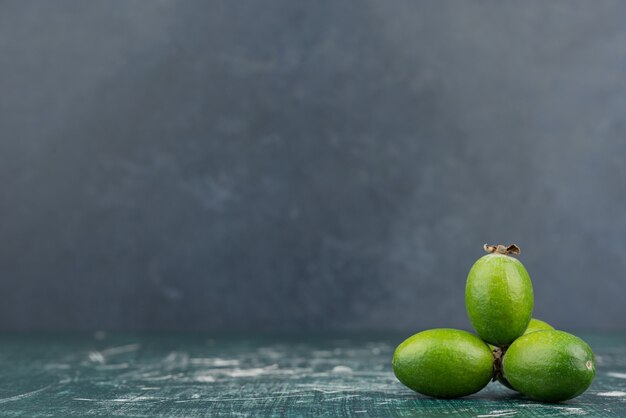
column 443, row 363
column 499, row 298
column 550, row 366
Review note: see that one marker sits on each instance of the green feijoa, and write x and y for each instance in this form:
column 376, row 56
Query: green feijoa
column 499, row 296
column 533, row 326
column 549, row 366
column 443, row 363
column 537, row 325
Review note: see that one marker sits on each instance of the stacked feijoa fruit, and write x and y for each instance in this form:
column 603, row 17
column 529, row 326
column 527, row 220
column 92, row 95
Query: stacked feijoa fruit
column 522, row 353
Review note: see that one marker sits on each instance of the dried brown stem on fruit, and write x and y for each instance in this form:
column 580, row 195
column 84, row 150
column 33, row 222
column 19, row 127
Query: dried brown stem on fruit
column 501, row 249
column 498, row 354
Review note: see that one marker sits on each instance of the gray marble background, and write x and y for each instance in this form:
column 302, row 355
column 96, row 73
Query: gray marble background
column 297, row 165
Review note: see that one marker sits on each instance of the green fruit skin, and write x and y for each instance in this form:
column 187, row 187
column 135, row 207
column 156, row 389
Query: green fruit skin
column 499, row 298
column 533, row 326
column 549, row 366
column 443, row 363
column 537, row 325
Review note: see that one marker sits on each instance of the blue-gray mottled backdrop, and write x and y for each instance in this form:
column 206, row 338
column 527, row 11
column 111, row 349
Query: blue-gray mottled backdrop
column 287, row 164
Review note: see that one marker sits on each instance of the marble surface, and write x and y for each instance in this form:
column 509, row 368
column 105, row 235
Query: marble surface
column 266, row 375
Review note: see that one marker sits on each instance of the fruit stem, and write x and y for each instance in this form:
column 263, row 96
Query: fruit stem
column 501, row 249
column 498, row 354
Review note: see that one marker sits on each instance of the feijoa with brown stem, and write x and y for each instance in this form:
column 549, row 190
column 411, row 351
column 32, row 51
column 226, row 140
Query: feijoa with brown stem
column 499, row 295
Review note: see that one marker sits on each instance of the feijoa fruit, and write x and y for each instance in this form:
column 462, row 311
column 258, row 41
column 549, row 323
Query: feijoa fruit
column 443, row 363
column 549, row 366
column 499, row 296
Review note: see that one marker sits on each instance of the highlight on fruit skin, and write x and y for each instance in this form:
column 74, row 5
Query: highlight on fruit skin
column 499, row 296
column 549, row 365
column 443, row 363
